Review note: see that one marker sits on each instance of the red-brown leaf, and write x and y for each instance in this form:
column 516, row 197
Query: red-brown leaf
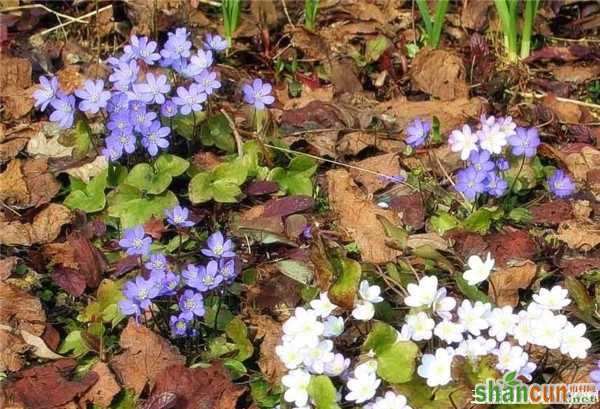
column 288, row 205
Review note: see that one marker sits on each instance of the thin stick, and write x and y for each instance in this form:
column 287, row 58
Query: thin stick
column 90, row 14
column 238, row 139
column 285, row 10
column 41, row 6
column 561, row 99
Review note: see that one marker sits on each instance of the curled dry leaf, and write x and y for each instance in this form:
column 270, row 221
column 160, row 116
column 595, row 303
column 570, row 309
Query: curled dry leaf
column 582, row 162
column 146, row 355
column 89, row 170
column 27, row 183
column 440, row 73
column 358, row 216
column 10, row 149
column 40, row 145
column 565, row 111
column 574, row 73
column 552, row 212
column 7, row 264
column 102, row 392
column 505, row 283
column 45, row 227
column 579, row 236
column 11, row 348
column 49, row 386
column 269, row 331
column 387, row 164
column 20, row 310
column 511, row 245
column 198, row 387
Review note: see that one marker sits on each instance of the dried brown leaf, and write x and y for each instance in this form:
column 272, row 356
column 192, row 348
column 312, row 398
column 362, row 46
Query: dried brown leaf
column 386, row 164
column 103, row 392
column 579, row 236
column 440, row 73
column 21, row 311
column 269, row 332
column 505, row 283
column 45, row 227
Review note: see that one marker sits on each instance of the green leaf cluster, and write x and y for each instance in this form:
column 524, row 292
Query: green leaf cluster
column 297, row 178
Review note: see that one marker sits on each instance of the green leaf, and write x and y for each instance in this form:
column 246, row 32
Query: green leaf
column 375, row 48
column 225, row 192
column 322, row 392
column 262, row 394
column 381, row 337
column 75, row 344
column 212, row 306
column 184, row 124
column 200, row 188
column 296, row 180
column 296, row 270
column 443, row 222
column 232, row 172
column 344, row 289
column 396, row 363
column 124, row 400
column 80, row 138
column 236, row 368
column 217, row 132
column 470, row 291
column 105, row 306
column 481, row 220
column 143, row 177
column 90, row 198
column 520, row 215
column 398, row 236
column 127, row 203
column 237, row 331
column 171, row 165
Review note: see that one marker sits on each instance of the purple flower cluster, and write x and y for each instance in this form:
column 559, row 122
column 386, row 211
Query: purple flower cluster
column 187, row 288
column 417, row 132
column 139, row 97
column 483, row 150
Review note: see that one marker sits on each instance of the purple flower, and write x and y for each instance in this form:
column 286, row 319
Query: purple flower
column 208, row 278
column 178, row 216
column 470, row 182
column 129, row 307
column 169, row 284
column 214, row 42
column 46, row 92
column 135, row 241
column 595, row 375
column 561, row 184
column 228, row 269
column 93, row 95
column 189, row 100
column 118, row 102
column 502, row 163
column 155, row 136
column 481, row 161
column 495, row 185
column 124, row 75
column 178, row 324
column 417, row 132
column 157, row 262
column 525, row 142
column 121, row 142
column 218, row 247
column 198, row 63
column 177, row 46
column 140, row 47
column 113, row 150
column 191, row 273
column 168, row 109
column 141, row 291
column 141, row 119
column 258, row 94
column 153, row 90
column 392, row 179
column 207, row 80
column 191, row 304
column 64, row 112
column 119, row 123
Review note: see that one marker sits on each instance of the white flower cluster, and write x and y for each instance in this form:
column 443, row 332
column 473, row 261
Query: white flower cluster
column 492, row 136
column 308, row 350
column 508, row 332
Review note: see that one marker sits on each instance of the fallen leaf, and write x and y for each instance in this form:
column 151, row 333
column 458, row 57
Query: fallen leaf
column 146, row 355
column 344, row 77
column 70, row 79
column 387, row 164
column 208, row 388
column 269, row 332
column 17, row 101
column 15, row 72
column 39, row 145
column 354, row 143
column 27, row 183
column 576, row 267
column 572, row 53
column 21, row 311
column 11, row 348
column 505, row 283
column 315, row 115
column 552, row 212
column 565, row 111
column 273, row 294
column 432, row 240
column 324, row 94
column 89, row 170
column 575, row 73
column 440, row 73
column 511, row 245
column 102, row 392
column 358, row 216
column 10, row 149
column 69, row 279
column 412, row 209
column 60, row 253
column 288, row 205
column 50, row 385
column 7, row 264
column 262, row 187
column 45, row 227
column 312, row 44
column 474, row 15
column 579, row 236
column 13, row 189
column 582, row 162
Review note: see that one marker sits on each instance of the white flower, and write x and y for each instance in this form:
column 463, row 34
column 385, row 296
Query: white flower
column 554, row 299
column 547, row 329
column 363, row 310
column 449, row 331
column 322, row 306
column 362, row 387
column 390, row 401
column 507, row 126
column 527, row 370
column 290, row 354
column 473, row 348
column 303, row 328
column 404, row 334
column 315, row 358
column 334, row 326
column 510, row 358
column 337, row 366
column 420, row 326
column 442, row 305
column 479, row 270
column 369, row 293
column 296, row 382
column 464, row 141
column 422, row 294
column 573, row 342
column 492, row 138
column 436, row 369
column 502, row 322
column 523, row 331
column 472, row 316
column 365, row 368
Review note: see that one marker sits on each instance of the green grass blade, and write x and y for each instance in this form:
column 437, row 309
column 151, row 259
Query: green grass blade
column 310, row 13
column 530, row 12
column 508, row 26
column 425, row 16
column 438, row 23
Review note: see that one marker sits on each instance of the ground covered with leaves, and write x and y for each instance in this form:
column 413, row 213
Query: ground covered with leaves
column 297, row 206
